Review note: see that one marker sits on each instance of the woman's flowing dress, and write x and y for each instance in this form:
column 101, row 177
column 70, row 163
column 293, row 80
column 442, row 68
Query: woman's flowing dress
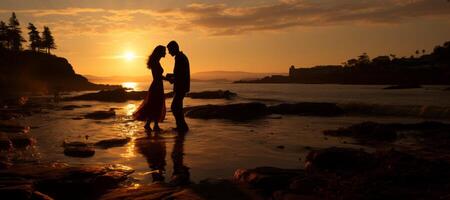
column 154, row 105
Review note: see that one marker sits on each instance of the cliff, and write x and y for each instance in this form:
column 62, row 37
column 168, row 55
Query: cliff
column 40, row 72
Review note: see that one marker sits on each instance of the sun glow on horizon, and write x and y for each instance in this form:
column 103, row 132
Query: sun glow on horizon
column 129, row 55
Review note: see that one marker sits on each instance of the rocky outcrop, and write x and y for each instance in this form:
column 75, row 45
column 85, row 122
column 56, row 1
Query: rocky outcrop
column 113, row 142
column 217, row 94
column 343, row 173
column 40, row 72
column 432, row 134
column 11, row 126
column 121, row 95
column 78, row 149
column 241, row 111
column 307, row 108
column 101, row 114
column 117, row 95
column 366, row 132
column 60, row 181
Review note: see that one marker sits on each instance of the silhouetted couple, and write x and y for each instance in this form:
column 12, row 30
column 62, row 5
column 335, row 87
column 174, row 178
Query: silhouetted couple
column 153, row 108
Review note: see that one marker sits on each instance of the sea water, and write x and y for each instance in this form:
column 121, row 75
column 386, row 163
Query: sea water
column 216, row 148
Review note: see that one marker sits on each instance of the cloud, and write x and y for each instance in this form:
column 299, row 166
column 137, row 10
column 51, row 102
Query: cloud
column 222, row 19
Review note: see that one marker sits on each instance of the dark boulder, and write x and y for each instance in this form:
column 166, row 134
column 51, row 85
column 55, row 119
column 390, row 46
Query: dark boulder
column 5, row 142
column 241, row 111
column 268, row 179
column 60, row 181
column 152, row 192
column 101, row 114
column 366, row 132
column 114, row 142
column 307, row 108
column 339, row 160
column 21, row 140
column 217, row 94
column 13, row 127
column 117, row 95
column 78, row 149
column 70, row 107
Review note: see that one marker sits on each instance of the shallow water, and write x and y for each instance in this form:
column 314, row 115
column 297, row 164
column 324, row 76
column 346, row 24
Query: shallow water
column 216, row 148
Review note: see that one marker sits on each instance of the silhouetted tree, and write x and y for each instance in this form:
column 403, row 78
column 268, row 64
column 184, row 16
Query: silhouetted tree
column 423, row 51
column 351, row 62
column 48, row 42
column 35, row 39
column 363, row 59
column 381, row 60
column 3, row 35
column 14, row 33
column 417, row 52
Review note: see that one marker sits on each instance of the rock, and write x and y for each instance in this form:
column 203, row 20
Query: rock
column 5, row 142
column 114, row 142
column 21, row 140
column 366, row 132
column 101, row 114
column 152, row 192
column 267, row 178
column 339, row 160
column 280, row 146
column 70, row 107
column 78, row 149
column 13, row 127
column 19, row 191
column 432, row 134
column 116, row 95
column 307, row 108
column 218, row 94
column 61, row 181
column 403, row 86
column 241, row 111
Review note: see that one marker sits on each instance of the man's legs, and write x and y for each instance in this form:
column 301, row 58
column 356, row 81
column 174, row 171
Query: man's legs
column 177, row 110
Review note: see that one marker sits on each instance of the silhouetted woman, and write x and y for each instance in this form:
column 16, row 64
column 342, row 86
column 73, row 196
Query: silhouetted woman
column 153, row 108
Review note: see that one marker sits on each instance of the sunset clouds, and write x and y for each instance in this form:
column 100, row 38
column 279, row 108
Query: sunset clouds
column 250, row 35
column 222, row 19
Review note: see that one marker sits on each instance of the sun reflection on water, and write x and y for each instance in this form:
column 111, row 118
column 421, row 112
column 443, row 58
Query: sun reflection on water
column 130, row 108
column 129, row 85
column 129, row 151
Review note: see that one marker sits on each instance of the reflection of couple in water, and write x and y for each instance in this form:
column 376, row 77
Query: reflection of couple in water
column 153, row 108
column 154, row 151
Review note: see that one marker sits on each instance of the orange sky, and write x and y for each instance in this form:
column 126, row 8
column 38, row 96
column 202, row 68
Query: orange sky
column 253, row 35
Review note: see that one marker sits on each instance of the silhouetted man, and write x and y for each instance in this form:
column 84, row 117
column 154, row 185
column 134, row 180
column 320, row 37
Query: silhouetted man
column 181, row 84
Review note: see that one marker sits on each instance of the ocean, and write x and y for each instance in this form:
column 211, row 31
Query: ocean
column 216, row 148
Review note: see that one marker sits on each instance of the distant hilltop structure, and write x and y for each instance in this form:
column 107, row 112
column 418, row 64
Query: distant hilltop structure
column 419, row 68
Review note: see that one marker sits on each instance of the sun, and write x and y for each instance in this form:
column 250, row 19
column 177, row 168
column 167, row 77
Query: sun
column 129, row 55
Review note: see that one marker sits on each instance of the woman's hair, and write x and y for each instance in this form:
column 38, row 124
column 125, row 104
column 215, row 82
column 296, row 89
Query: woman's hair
column 156, row 54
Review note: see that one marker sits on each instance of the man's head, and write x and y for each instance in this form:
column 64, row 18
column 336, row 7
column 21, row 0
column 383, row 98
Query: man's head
column 173, row 48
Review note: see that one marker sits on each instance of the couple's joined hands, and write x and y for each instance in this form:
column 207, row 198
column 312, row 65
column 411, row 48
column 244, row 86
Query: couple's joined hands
column 170, row 78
